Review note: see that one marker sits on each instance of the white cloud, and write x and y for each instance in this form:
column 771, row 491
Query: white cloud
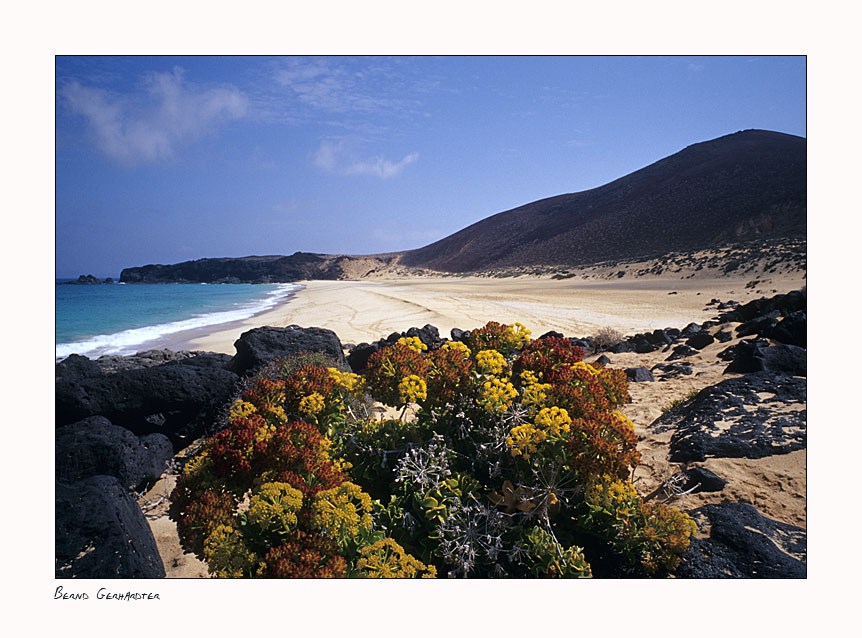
column 334, row 157
column 151, row 126
column 381, row 167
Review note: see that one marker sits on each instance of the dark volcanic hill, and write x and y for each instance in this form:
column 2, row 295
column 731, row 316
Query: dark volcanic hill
column 740, row 187
column 750, row 185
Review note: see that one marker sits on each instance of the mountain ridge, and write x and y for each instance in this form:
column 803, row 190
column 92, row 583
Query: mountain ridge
column 748, row 185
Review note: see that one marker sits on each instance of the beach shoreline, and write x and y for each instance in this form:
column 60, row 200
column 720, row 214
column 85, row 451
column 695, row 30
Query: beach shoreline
column 370, row 309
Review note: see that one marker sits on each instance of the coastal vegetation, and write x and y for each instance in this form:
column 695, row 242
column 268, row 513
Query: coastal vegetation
column 498, row 456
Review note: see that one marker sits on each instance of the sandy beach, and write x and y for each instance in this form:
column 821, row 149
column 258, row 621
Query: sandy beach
column 366, row 310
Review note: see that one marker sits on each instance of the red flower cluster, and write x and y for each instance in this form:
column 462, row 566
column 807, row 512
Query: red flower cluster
column 387, row 367
column 602, row 444
column 448, row 377
column 201, row 516
column 546, row 355
column 297, row 454
column 305, row 555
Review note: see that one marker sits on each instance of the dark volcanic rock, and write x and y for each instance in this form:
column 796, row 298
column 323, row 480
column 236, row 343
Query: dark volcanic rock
column 723, row 336
column 680, row 352
column 358, row 357
column 690, row 330
column 639, row 375
column 700, row 340
column 700, row 479
column 552, row 333
column 96, row 446
column 758, row 325
column 672, row 370
column 258, row 346
column 603, row 360
column 742, row 543
column 149, row 358
column 177, row 400
column 754, row 356
column 459, row 335
column 100, row 532
column 427, row 334
column 791, row 330
column 752, row 417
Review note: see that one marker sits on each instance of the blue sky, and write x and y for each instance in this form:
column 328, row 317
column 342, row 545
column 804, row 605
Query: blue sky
column 165, row 159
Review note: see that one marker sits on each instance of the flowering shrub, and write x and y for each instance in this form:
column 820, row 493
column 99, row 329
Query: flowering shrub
column 515, row 456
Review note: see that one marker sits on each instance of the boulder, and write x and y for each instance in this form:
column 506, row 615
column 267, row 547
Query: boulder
column 672, row 370
column 258, row 346
column 700, row 340
column 754, row 416
column 359, row 355
column 639, row 375
column 791, row 330
column 680, row 352
column 690, row 330
column 179, row 401
column 603, row 361
column 96, row 446
column 723, row 336
column 427, row 334
column 742, row 543
column 700, row 479
column 100, row 532
column 552, row 333
column 754, row 356
column 459, row 335
column 758, row 325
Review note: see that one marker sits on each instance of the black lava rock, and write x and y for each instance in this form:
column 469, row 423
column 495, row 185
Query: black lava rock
column 751, row 417
column 179, row 401
column 100, row 532
column 791, row 330
column 700, row 479
column 258, row 346
column 754, row 356
column 603, row 360
column 743, row 543
column 639, row 375
column 358, row 357
column 680, row 352
column 700, row 340
column 96, row 446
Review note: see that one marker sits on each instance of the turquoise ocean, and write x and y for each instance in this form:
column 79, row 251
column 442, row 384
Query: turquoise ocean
column 98, row 319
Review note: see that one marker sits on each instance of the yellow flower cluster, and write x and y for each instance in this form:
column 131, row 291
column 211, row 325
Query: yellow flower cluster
column 274, row 507
column 555, row 421
column 518, row 335
column 496, row 395
column 622, row 418
column 524, row 440
column 535, row 396
column 273, row 412
column 266, row 431
column 348, row 381
column 490, row 362
column 240, row 409
column 342, row 511
column 412, row 389
column 459, row 346
column 227, row 555
column 387, row 559
column 312, row 404
column 580, row 365
column 528, row 377
column 413, row 342
column 615, row 497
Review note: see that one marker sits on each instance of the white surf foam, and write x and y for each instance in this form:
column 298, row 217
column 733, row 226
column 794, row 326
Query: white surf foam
column 126, row 341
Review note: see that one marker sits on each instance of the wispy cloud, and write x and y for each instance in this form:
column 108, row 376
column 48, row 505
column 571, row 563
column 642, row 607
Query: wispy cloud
column 151, row 125
column 336, row 157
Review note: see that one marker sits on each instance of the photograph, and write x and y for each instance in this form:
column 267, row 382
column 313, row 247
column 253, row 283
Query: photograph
column 459, row 316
